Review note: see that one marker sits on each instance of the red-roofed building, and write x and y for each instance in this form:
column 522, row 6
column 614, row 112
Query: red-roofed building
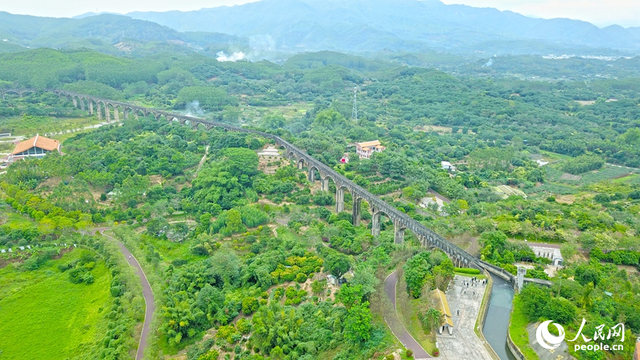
column 37, row 146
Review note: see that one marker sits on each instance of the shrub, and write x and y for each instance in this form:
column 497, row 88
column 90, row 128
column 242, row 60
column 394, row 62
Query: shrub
column 76, row 275
column 249, row 305
column 468, row 271
column 211, row 355
column 301, row 277
column 88, row 278
column 116, row 291
column 244, row 326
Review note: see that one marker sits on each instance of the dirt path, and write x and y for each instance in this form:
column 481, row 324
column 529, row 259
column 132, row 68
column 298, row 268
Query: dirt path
column 147, row 292
column 401, row 332
column 204, row 158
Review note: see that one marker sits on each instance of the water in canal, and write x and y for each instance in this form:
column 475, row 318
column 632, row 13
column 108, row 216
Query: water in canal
column 497, row 322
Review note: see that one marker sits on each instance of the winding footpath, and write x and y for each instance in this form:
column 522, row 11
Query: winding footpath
column 399, row 330
column 147, row 292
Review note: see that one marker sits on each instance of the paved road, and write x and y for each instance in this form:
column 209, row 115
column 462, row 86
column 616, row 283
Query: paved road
column 399, row 330
column 148, row 298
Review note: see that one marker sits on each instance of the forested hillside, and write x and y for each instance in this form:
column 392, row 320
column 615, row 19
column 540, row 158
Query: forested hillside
column 107, row 33
column 238, row 246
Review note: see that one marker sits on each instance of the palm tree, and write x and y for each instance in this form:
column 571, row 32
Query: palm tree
column 433, row 318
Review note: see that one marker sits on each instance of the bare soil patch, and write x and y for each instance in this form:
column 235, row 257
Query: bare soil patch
column 50, row 183
column 155, row 179
column 630, row 269
column 436, row 128
column 269, row 164
column 567, row 176
column 565, row 199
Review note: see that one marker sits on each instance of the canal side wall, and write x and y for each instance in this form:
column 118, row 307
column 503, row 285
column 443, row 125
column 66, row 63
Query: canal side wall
column 515, row 350
column 482, row 315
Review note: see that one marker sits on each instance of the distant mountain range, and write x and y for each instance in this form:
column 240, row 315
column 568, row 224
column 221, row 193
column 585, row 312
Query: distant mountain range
column 275, row 29
column 112, row 34
column 396, row 25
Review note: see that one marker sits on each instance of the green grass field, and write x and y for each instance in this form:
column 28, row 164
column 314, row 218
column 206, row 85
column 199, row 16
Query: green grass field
column 30, row 125
column 45, row 316
column 518, row 331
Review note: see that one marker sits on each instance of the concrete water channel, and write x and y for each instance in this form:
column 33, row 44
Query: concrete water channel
column 496, row 324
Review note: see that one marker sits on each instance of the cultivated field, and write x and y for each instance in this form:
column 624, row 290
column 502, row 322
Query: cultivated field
column 45, row 316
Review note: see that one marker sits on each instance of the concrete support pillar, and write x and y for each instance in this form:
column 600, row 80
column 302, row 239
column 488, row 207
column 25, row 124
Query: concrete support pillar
column 126, row 114
column 312, row 175
column 82, row 104
column 398, row 235
column 75, row 102
column 90, row 107
column 339, row 199
column 324, row 184
column 375, row 224
column 116, row 113
column 99, row 111
column 522, row 271
column 107, row 114
column 135, row 114
column 356, row 211
column 300, row 165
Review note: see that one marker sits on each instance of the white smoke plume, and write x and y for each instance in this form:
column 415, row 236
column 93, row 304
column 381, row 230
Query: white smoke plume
column 489, row 63
column 193, row 109
column 239, row 55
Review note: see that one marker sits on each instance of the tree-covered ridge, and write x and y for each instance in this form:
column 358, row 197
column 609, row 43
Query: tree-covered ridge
column 537, row 115
column 232, row 248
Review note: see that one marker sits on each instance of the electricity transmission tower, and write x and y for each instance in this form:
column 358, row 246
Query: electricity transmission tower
column 354, row 112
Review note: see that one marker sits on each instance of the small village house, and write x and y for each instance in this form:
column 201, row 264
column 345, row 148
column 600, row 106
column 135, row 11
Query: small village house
column 447, row 166
column 366, row 149
column 550, row 253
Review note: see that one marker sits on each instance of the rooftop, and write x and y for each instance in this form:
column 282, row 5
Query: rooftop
column 369, row 143
column 39, row 141
column 444, row 306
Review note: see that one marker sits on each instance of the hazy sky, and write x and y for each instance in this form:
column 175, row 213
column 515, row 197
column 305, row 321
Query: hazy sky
column 599, row 12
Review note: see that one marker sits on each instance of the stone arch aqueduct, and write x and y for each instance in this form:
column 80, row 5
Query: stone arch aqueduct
column 104, row 109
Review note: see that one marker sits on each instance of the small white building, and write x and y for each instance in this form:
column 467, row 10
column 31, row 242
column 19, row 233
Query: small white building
column 447, row 166
column 550, row 253
column 269, row 152
column 332, row 280
column 366, row 149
